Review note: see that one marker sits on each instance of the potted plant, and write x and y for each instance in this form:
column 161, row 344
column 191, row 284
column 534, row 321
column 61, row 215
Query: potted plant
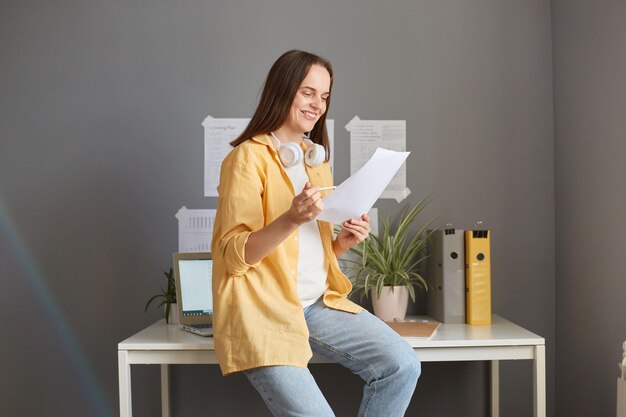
column 168, row 299
column 387, row 266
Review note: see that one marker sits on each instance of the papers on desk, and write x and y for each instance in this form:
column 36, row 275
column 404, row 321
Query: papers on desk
column 415, row 330
column 357, row 194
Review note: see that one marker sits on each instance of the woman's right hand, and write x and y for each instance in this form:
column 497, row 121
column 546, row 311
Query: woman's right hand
column 306, row 205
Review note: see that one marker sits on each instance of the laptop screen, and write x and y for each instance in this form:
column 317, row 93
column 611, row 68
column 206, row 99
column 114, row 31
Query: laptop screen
column 195, row 287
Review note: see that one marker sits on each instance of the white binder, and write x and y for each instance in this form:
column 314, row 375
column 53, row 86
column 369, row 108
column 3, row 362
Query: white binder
column 446, row 276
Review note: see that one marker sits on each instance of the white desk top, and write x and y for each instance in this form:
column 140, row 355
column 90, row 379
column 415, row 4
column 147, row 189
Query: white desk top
column 501, row 332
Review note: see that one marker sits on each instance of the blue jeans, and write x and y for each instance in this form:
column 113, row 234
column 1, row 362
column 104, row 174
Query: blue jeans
column 360, row 342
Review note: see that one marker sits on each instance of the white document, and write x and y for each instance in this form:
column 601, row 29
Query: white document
column 349, row 256
column 368, row 135
column 373, row 215
column 195, row 229
column 357, row 194
column 218, row 133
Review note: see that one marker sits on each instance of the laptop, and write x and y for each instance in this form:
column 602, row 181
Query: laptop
column 194, row 296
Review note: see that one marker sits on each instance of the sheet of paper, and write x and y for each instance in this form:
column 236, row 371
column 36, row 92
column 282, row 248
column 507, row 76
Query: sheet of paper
column 349, row 256
column 357, row 194
column 218, row 133
column 195, row 229
column 373, row 215
column 368, row 135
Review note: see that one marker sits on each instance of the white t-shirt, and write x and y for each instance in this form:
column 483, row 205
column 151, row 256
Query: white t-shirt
column 312, row 266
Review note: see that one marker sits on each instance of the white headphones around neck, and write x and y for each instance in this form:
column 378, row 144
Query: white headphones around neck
column 291, row 154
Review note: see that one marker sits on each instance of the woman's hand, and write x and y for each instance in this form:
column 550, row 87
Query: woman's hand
column 304, row 208
column 306, row 205
column 354, row 231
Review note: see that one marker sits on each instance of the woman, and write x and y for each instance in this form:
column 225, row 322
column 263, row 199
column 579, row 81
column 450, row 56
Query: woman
column 278, row 290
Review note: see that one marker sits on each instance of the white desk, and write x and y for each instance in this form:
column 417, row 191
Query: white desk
column 162, row 344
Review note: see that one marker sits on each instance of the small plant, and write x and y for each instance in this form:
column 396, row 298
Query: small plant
column 388, row 260
column 168, row 296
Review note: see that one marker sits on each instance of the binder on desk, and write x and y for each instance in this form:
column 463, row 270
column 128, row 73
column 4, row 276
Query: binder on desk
column 478, row 277
column 446, row 276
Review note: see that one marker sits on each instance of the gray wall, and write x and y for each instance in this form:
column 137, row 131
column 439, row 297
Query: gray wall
column 590, row 133
column 101, row 107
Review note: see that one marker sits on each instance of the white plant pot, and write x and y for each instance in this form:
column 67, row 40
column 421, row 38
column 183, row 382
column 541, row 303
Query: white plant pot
column 173, row 317
column 392, row 303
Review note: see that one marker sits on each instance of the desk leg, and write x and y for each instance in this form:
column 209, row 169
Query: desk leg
column 495, row 388
column 539, row 381
column 126, row 406
column 165, row 391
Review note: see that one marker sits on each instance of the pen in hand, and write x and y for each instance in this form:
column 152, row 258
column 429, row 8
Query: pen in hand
column 327, row 188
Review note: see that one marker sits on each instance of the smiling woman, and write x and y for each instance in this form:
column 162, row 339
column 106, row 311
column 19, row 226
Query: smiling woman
column 285, row 80
column 277, row 288
column 308, row 106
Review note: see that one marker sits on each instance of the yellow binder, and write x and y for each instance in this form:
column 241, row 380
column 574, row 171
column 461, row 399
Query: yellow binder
column 477, row 277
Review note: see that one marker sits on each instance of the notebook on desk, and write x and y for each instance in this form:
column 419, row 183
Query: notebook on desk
column 416, row 329
column 194, row 296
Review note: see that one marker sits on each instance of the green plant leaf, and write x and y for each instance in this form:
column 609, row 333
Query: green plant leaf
column 154, row 297
column 169, row 294
column 411, row 292
column 359, row 252
column 391, row 258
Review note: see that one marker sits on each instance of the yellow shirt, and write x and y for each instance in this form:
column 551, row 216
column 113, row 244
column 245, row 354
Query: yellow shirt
column 258, row 318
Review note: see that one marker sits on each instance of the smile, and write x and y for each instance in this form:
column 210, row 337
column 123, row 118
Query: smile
column 309, row 115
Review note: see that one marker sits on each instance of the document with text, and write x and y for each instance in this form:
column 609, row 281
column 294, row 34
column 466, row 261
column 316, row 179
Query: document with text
column 357, row 194
column 368, row 135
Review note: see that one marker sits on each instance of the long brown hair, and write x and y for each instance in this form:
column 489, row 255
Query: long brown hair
column 279, row 91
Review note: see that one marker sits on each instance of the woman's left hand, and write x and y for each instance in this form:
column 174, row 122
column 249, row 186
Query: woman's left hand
column 354, row 231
